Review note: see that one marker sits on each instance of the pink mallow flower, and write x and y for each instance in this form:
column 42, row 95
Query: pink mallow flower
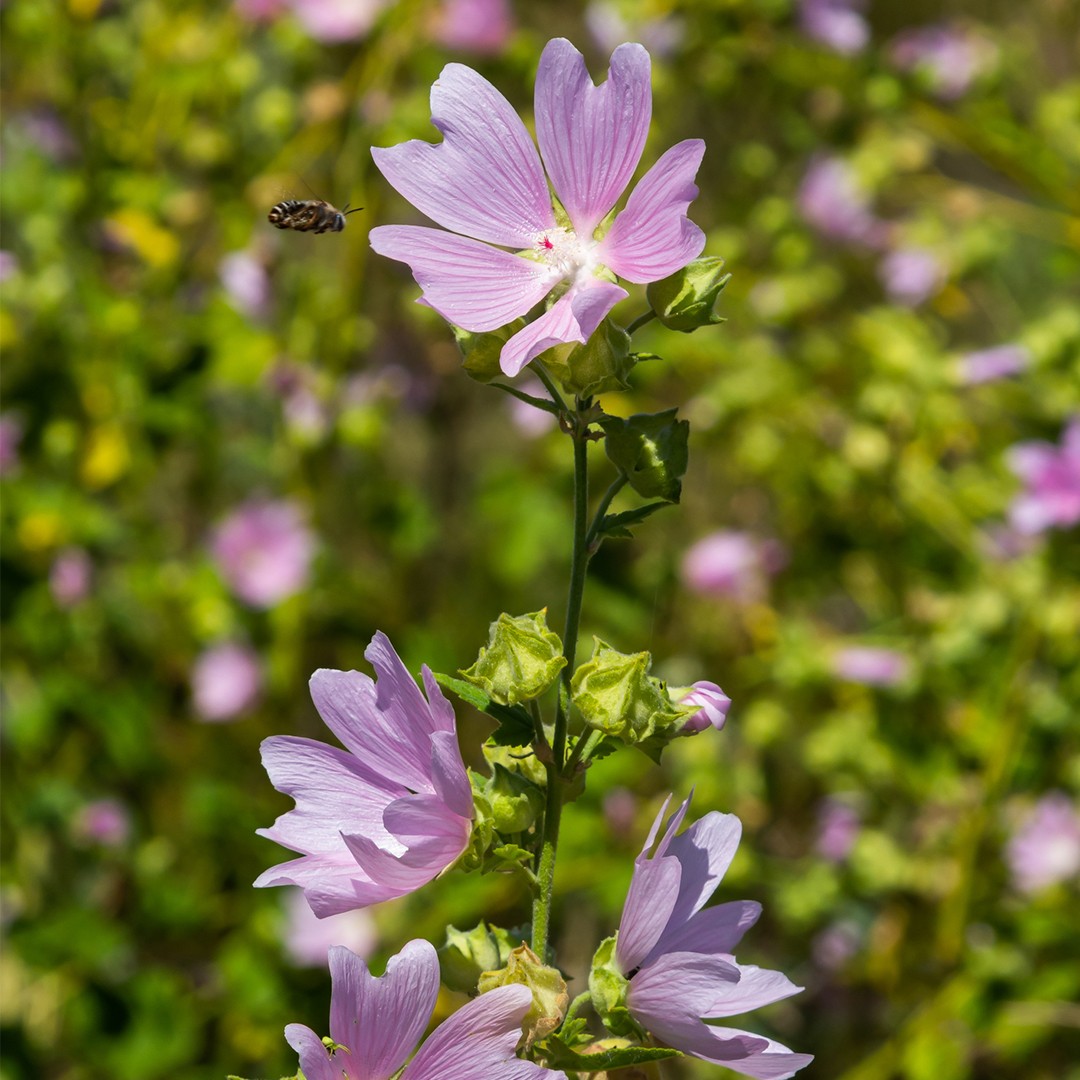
column 911, row 275
column 712, row 703
column 838, row 829
column 947, row 57
column 263, row 551
column 103, row 821
column 506, row 251
column 1051, row 476
column 988, row 365
column 677, row 953
column 387, row 814
column 225, row 681
column 839, row 24
column 476, row 26
column 331, row 21
column 730, row 563
column 376, row 1024
column 70, row 576
column 11, row 433
column 831, row 200
column 307, row 937
column 1045, row 849
column 870, row 665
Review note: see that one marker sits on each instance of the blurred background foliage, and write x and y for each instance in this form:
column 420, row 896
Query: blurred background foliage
column 169, row 358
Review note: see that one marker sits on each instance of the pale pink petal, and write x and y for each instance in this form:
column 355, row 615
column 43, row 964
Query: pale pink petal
column 442, row 712
column 401, row 874
column 478, row 1041
column 382, row 1019
column 652, row 999
column 712, row 930
column 591, row 137
column 331, row 884
column 705, row 851
column 756, row 987
column 484, row 179
column 742, row 1051
column 652, row 237
column 649, row 900
column 469, row 283
column 574, row 317
column 449, row 777
column 314, row 1058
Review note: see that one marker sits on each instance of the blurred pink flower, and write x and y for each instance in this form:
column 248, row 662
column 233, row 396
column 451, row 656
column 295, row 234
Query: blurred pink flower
column 620, row 810
column 246, row 283
column 831, row 200
column 302, row 407
column 486, row 185
column 308, row 938
column 986, row 365
column 69, row 576
column 836, row 945
column 1051, row 476
column 225, row 682
column 729, row 563
column 1003, row 543
column 260, row 10
column 948, row 57
column 263, row 550
column 9, row 265
column 838, row 828
column 870, row 665
column 11, row 432
column 1045, row 848
column 712, row 702
column 608, row 27
column 103, row 821
column 911, row 275
column 839, row 24
column 330, row 21
column 476, row 26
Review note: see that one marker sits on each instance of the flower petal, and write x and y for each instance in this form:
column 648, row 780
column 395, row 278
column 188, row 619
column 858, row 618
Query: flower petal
column 573, row 317
column 314, row 1058
column 449, row 776
column 744, row 1052
column 382, row 1019
column 652, row 237
column 471, row 284
column 756, row 987
column 705, row 851
column 331, row 885
column 478, row 1042
column 591, row 137
column 649, row 900
column 698, row 978
column 484, row 179
column 712, row 930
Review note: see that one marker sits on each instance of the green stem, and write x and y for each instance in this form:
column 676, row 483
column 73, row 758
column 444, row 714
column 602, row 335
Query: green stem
column 640, row 321
column 576, row 1004
column 583, row 750
column 545, row 870
column 613, row 489
column 549, row 385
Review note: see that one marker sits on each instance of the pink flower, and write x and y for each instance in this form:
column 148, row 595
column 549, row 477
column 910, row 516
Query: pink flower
column 69, row 576
column 870, row 665
column 831, row 200
column 478, row 26
column 986, row 365
column 225, row 682
column 384, row 816
column 103, row 821
column 728, row 563
column 677, row 953
column 911, row 275
column 1045, row 849
column 264, row 550
column 1051, row 476
column 246, row 283
column 608, row 26
column 949, row 58
column 331, row 21
column 713, row 705
column 378, row 1022
column 506, row 251
column 838, row 828
column 11, row 433
column 260, row 10
column 307, row 937
column 9, row 265
column 836, row 23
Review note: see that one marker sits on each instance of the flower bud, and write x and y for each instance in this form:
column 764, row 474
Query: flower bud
column 687, row 299
column 515, row 801
column 599, row 366
column 467, row 954
column 712, row 706
column 608, row 987
column 522, row 659
column 548, row 987
column 651, row 451
column 480, row 352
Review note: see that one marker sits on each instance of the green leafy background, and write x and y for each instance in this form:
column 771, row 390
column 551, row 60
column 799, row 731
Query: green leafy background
column 821, row 416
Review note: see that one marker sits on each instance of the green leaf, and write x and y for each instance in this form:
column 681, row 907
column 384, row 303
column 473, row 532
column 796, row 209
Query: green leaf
column 515, row 724
column 559, row 1056
column 651, row 450
column 617, row 526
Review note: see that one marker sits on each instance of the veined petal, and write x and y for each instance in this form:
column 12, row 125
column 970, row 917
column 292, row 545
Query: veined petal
column 649, row 900
column 744, row 1052
column 697, row 977
column 591, row 137
column 652, row 237
column 756, row 987
column 484, row 179
column 449, row 776
column 478, row 1041
column 705, row 851
column 572, row 318
column 712, row 930
column 314, row 1058
column 442, row 712
column 382, row 1019
column 471, row 284
column 332, row 884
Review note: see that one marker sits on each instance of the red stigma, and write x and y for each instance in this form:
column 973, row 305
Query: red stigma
column 548, row 244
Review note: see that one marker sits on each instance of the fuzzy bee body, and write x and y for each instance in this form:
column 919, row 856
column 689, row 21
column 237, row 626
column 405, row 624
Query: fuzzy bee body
column 309, row 215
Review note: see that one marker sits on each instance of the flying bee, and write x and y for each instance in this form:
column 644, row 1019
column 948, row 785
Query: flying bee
column 309, row 215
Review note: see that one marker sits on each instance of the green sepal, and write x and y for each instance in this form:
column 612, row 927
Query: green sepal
column 600, row 366
column 651, row 450
column 483, row 829
column 467, row 954
column 615, row 694
column 607, row 988
column 559, row 1056
column 617, row 526
column 546, row 983
column 515, row 724
column 687, row 299
column 516, row 802
column 521, row 660
column 480, row 352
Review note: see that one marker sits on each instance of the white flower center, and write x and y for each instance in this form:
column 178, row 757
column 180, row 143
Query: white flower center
column 566, row 254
